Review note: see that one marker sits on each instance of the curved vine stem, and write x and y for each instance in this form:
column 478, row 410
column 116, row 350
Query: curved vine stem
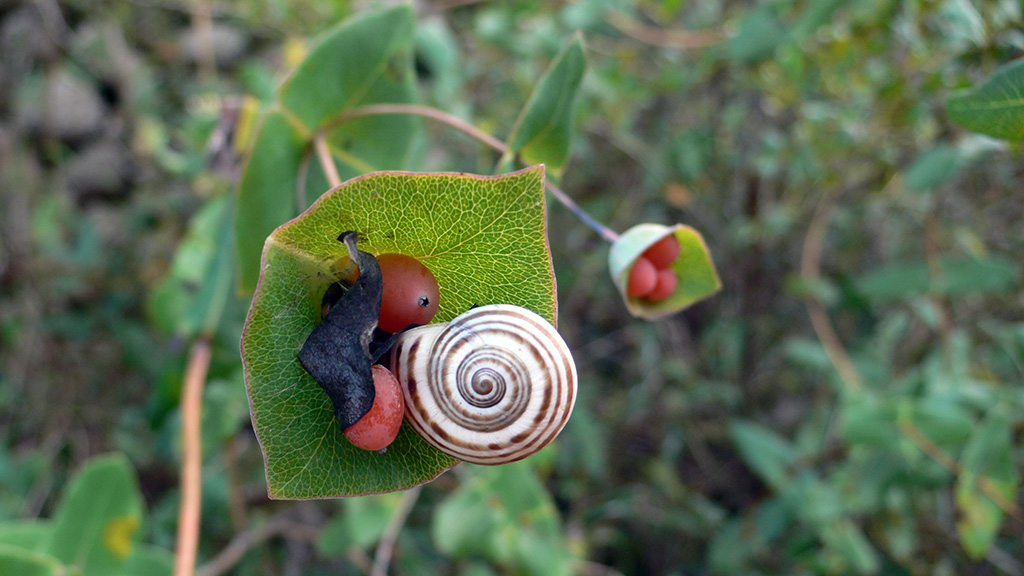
column 386, row 548
column 810, row 269
column 192, row 457
column 461, row 125
column 675, row 39
column 323, row 153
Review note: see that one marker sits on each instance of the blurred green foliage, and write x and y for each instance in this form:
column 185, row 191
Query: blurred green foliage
column 722, row 440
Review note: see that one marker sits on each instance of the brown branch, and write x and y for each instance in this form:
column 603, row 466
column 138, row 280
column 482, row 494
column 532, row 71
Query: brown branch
column 386, row 547
column 441, row 116
column 810, row 269
column 675, row 39
column 323, row 153
column 202, row 25
column 243, row 542
column 192, row 457
column 466, row 128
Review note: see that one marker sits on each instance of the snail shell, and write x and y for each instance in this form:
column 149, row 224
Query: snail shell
column 494, row 385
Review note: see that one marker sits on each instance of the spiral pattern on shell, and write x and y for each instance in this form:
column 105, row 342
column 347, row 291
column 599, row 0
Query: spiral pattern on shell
column 494, row 385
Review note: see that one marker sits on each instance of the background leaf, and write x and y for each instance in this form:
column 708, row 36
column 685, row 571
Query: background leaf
column 365, row 60
column 988, row 458
column 503, row 514
column 544, row 129
column 95, row 522
column 266, row 192
column 995, row 107
column 484, row 239
column 957, row 276
column 16, row 561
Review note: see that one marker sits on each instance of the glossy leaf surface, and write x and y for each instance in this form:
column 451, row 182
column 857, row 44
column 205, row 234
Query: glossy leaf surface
column 483, row 238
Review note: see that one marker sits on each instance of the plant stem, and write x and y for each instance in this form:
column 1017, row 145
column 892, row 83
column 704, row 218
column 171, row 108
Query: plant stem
column 810, row 269
column 323, row 153
column 461, row 125
column 386, row 547
column 674, row 39
column 192, row 457
column 243, row 542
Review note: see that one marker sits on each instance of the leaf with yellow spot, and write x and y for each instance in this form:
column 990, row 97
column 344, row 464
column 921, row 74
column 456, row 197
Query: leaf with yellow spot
column 97, row 516
column 117, row 535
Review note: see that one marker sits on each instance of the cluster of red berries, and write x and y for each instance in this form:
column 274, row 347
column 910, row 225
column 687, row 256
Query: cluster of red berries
column 410, row 296
column 651, row 276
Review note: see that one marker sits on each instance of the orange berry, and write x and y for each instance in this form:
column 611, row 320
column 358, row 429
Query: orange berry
column 665, row 285
column 411, row 294
column 663, row 252
column 642, row 277
column 378, row 428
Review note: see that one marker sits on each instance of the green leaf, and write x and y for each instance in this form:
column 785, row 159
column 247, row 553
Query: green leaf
column 955, row 276
column 995, row 107
column 759, row 33
column 29, row 534
column 267, row 191
column 868, row 421
column 346, row 63
column 16, row 561
column 485, row 241
column 96, row 520
column 148, row 561
column 192, row 296
column 987, row 459
column 847, row 541
column 503, row 514
column 543, row 132
column 364, row 60
column 764, row 451
column 694, row 269
column 362, row 523
column 933, row 168
column 944, row 423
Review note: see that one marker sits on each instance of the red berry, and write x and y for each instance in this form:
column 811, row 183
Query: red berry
column 378, row 427
column 411, row 294
column 642, row 277
column 665, row 285
column 663, row 252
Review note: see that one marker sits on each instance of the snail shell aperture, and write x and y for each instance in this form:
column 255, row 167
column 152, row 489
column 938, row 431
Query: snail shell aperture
column 494, row 385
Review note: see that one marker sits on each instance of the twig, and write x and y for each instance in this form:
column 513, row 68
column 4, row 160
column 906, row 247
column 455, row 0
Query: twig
column 243, row 542
column 202, row 24
column 475, row 133
column 236, row 501
column 810, row 269
column 441, row 116
column 323, row 153
column 605, row 232
column 675, row 39
column 386, row 547
column 192, row 457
